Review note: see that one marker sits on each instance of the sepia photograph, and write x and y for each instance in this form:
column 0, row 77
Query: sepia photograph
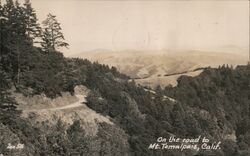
column 124, row 78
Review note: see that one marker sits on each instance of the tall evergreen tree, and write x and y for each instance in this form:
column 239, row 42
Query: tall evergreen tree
column 33, row 30
column 7, row 36
column 15, row 38
column 52, row 36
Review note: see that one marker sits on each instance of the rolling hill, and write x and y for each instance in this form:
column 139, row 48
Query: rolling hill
column 152, row 68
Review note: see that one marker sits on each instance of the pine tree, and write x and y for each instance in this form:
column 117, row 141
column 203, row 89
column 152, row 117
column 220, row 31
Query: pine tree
column 8, row 37
column 15, row 16
column 33, row 30
column 13, row 38
column 52, row 36
column 19, row 18
column 20, row 38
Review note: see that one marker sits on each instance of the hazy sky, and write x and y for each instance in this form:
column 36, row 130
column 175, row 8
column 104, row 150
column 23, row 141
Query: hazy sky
column 147, row 25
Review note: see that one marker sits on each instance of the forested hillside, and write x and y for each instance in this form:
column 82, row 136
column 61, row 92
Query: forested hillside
column 214, row 104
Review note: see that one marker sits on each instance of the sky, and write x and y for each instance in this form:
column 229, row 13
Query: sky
column 149, row 25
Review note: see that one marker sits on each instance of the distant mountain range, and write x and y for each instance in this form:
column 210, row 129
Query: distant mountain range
column 152, row 68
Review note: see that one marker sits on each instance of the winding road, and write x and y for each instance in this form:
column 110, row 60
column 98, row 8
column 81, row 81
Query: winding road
column 79, row 103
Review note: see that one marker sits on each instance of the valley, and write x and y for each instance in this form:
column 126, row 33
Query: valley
column 163, row 67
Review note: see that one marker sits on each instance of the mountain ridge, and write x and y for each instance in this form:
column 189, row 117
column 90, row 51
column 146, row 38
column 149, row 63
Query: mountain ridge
column 154, row 64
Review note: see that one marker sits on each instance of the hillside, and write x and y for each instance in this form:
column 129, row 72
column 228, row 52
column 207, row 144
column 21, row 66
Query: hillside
column 205, row 106
column 149, row 67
